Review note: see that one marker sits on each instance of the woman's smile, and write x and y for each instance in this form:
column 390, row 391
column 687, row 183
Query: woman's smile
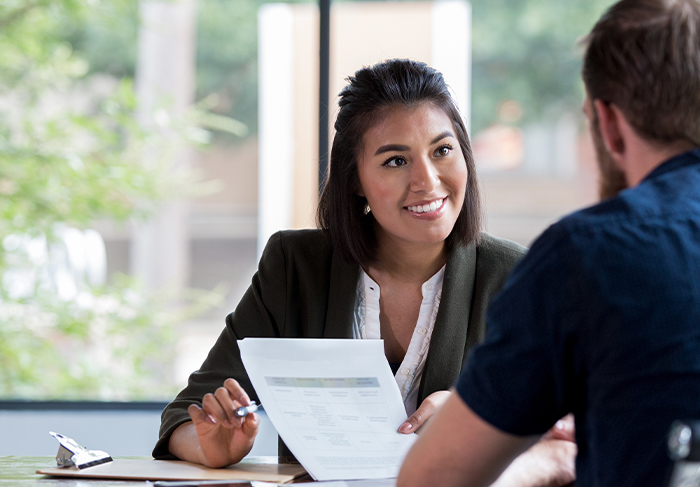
column 427, row 209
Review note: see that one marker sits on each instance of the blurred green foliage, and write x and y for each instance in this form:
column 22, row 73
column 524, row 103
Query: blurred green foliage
column 111, row 343
column 528, row 52
column 71, row 151
column 68, row 153
column 227, row 49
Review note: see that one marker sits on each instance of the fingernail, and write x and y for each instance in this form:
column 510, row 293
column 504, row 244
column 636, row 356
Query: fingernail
column 211, row 419
column 405, row 428
column 560, row 425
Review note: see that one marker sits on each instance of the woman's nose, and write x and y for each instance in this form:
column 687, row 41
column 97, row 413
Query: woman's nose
column 424, row 175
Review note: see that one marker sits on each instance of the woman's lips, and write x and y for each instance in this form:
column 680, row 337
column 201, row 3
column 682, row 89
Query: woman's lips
column 427, row 208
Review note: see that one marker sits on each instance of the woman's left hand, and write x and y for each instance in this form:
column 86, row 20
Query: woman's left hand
column 426, row 410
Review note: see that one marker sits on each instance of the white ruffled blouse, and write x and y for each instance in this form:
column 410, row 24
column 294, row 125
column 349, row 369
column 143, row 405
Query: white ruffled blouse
column 366, row 327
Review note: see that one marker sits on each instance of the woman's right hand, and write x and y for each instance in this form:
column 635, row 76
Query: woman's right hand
column 216, row 437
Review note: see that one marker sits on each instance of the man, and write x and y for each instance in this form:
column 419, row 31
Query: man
column 602, row 317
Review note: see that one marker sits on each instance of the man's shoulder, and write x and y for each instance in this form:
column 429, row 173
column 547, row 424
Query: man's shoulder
column 670, row 190
column 595, row 215
column 550, row 249
column 607, row 228
column 588, row 222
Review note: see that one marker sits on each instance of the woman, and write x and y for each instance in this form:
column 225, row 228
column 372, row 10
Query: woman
column 399, row 257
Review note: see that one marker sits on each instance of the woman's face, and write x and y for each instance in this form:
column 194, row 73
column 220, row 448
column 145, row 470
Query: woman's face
column 413, row 174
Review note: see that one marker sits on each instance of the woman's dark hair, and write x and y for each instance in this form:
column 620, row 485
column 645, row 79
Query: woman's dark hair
column 392, row 83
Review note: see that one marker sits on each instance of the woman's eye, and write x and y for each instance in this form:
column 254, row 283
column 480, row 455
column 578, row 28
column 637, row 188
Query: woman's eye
column 443, row 150
column 395, row 161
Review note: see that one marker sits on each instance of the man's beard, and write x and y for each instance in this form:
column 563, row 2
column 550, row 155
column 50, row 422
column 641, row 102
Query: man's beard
column 611, row 179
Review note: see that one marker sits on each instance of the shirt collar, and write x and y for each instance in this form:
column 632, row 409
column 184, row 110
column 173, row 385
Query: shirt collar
column 429, row 287
column 676, row 162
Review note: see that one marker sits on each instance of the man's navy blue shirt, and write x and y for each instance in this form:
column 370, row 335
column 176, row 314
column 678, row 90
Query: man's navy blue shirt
column 602, row 319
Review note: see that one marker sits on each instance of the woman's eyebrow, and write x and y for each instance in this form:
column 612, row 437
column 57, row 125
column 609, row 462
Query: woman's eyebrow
column 443, row 135
column 391, row 148
column 400, row 148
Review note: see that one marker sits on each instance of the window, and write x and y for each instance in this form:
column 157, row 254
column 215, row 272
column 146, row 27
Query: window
column 96, row 132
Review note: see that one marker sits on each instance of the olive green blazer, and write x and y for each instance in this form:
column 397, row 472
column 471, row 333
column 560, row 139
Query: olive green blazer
column 303, row 289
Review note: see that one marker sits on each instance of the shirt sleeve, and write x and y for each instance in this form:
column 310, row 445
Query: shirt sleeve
column 520, row 379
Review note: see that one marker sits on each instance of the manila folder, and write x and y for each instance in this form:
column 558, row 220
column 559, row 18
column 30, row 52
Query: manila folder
column 256, row 468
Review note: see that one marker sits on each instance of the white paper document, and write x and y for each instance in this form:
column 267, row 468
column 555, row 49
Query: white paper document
column 334, row 402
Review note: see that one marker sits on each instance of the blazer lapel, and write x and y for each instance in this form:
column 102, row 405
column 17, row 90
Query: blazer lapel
column 449, row 338
column 341, row 298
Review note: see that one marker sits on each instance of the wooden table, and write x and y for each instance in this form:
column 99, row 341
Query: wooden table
column 20, row 472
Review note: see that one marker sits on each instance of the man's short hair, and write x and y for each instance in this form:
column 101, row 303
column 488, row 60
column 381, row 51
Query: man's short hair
column 644, row 56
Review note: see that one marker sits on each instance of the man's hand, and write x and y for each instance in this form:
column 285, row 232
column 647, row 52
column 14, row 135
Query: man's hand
column 216, row 437
column 426, row 410
column 548, row 463
column 551, row 462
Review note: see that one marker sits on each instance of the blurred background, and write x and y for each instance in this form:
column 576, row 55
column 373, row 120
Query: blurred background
column 149, row 148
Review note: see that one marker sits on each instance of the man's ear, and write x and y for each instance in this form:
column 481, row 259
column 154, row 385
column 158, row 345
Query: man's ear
column 609, row 121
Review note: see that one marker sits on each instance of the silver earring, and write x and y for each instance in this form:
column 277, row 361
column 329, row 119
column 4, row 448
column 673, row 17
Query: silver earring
column 367, row 209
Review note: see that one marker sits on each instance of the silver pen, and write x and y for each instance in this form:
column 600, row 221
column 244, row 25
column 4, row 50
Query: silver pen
column 244, row 411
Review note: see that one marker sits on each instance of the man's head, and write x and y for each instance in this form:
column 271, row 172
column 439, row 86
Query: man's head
column 643, row 56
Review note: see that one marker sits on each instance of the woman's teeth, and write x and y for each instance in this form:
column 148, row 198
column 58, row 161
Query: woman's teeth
column 425, row 208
